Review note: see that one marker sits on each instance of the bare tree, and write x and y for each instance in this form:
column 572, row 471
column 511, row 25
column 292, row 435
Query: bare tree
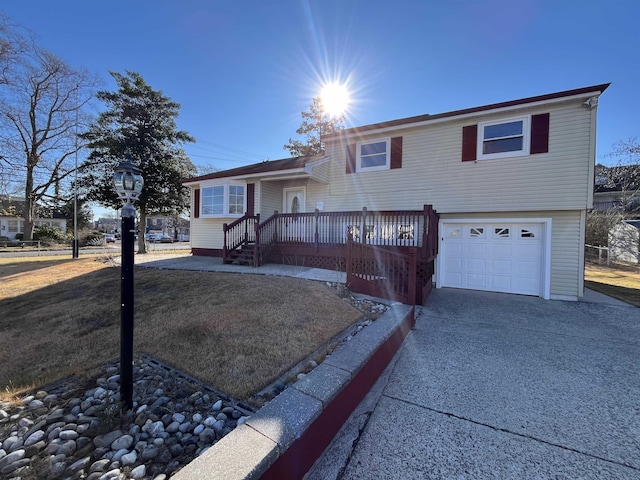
column 623, row 178
column 12, row 46
column 42, row 109
column 206, row 168
column 598, row 225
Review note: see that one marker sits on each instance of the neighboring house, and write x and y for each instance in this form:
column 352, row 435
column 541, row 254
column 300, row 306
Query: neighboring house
column 624, row 242
column 617, row 188
column 511, row 182
column 108, row 225
column 176, row 227
column 12, row 217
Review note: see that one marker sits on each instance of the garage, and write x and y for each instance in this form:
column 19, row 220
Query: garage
column 499, row 256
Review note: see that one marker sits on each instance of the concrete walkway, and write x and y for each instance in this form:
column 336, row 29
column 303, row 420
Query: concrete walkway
column 171, row 261
column 501, row 386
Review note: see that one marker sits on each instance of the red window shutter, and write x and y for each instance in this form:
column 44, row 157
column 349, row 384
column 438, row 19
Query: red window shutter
column 396, row 152
column 251, row 196
column 351, row 158
column 469, row 143
column 539, row 133
column 196, row 203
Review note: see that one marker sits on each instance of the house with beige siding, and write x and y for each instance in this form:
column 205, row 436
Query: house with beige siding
column 511, row 183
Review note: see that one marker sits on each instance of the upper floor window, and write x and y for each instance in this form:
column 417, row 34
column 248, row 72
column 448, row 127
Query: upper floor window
column 373, row 155
column 223, row 200
column 503, row 138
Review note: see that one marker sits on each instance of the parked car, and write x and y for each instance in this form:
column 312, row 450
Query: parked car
column 159, row 238
column 110, row 238
column 6, row 242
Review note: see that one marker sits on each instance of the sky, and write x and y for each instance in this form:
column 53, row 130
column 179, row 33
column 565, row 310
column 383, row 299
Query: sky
column 243, row 71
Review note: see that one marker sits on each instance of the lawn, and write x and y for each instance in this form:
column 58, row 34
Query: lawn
column 617, row 281
column 237, row 333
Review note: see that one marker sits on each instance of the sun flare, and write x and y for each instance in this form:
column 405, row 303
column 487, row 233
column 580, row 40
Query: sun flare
column 335, row 99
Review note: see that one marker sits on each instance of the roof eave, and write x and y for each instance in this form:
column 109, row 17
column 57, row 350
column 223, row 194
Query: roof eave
column 306, row 169
column 275, row 173
column 422, row 120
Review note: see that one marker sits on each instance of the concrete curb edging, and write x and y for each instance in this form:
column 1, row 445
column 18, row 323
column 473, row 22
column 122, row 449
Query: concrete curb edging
column 286, row 436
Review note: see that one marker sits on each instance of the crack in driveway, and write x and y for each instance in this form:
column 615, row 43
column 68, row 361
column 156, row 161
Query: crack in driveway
column 504, row 430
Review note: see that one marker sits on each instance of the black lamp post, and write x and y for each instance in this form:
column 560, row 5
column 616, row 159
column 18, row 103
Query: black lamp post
column 128, row 184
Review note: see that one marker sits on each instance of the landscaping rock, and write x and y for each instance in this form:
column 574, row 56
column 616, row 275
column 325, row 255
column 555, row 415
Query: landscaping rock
column 70, row 425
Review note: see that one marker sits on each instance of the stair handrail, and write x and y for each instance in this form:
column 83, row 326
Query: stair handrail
column 264, row 243
column 239, row 231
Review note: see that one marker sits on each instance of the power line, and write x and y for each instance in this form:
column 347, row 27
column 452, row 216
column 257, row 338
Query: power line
column 222, row 159
column 224, row 147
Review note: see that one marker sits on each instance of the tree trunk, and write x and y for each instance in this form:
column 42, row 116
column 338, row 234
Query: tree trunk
column 142, row 226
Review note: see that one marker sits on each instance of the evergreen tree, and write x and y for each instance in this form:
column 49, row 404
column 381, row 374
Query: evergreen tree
column 139, row 121
column 315, row 124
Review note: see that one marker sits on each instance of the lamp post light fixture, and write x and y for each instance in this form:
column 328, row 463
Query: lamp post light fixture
column 128, row 184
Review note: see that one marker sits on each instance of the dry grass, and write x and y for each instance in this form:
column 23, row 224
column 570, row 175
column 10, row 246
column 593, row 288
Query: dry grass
column 619, row 282
column 237, row 333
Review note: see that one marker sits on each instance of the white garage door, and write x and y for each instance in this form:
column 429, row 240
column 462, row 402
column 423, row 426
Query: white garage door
column 499, row 257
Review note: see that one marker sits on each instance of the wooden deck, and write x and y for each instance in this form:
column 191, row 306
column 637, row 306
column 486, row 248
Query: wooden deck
column 389, row 254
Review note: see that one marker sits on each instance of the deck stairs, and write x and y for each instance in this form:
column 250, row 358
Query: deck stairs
column 242, row 255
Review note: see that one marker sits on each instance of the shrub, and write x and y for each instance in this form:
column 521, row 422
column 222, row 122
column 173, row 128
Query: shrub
column 48, row 234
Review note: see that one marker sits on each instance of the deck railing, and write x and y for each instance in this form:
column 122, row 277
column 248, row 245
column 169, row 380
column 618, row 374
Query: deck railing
column 381, row 272
column 393, row 228
column 266, row 239
column 386, row 253
column 241, row 232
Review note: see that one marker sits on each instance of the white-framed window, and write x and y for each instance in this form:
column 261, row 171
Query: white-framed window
column 13, row 226
column 373, row 155
column 212, row 200
column 236, row 199
column 223, row 200
column 503, row 138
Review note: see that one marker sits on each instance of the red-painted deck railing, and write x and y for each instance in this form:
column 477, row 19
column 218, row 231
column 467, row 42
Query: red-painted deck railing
column 388, row 253
column 266, row 238
column 391, row 228
column 239, row 233
column 382, row 272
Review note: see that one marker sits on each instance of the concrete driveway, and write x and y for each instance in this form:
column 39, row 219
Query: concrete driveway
column 505, row 386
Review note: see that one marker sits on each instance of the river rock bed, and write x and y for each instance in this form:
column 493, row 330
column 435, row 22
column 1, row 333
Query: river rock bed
column 69, row 431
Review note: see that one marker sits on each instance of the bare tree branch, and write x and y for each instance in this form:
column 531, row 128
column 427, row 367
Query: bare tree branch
column 43, row 105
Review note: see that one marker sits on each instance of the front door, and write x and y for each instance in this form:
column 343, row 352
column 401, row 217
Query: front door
column 294, row 200
column 295, row 228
